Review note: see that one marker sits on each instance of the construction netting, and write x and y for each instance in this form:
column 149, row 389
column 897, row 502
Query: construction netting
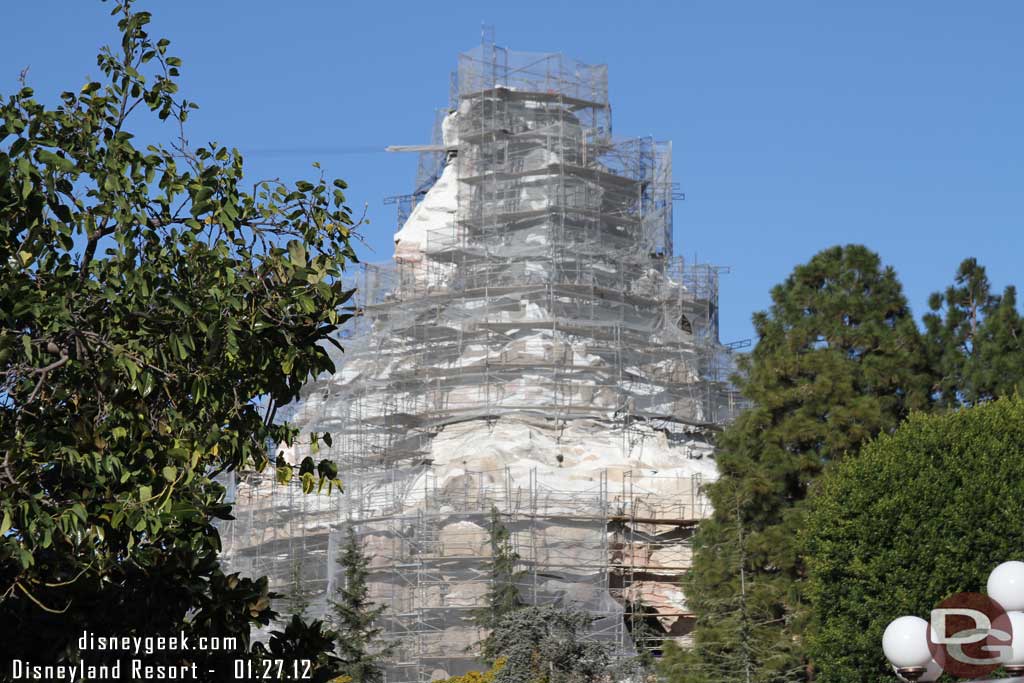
column 534, row 349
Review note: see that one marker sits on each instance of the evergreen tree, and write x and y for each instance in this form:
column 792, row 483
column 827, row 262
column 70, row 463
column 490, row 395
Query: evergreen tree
column 999, row 370
column 355, row 616
column 975, row 343
column 502, row 595
column 726, row 649
column 546, row 644
column 298, row 594
column 952, row 329
column 838, row 360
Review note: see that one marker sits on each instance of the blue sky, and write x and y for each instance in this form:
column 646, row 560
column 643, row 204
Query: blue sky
column 796, row 125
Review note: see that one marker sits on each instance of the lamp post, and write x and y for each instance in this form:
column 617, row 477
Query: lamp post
column 905, row 643
column 906, row 639
column 1006, row 586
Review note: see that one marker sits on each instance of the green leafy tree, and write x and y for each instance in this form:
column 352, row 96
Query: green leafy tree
column 153, row 312
column 545, row 645
column 975, row 339
column 302, row 643
column 502, row 595
column 921, row 514
column 356, row 617
column 838, row 361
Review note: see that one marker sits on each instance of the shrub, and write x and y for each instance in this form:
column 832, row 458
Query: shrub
column 923, row 513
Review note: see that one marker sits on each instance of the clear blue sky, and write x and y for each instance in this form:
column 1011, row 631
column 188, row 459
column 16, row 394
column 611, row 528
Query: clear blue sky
column 796, row 125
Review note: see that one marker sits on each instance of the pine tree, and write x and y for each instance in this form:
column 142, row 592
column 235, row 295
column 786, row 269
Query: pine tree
column 355, row 616
column 838, row 360
column 298, row 593
column 952, row 329
column 546, row 644
column 726, row 648
column 502, row 595
column 999, row 370
column 974, row 339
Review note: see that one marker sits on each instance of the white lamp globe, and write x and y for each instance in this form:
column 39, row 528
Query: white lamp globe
column 932, row 671
column 1016, row 657
column 1006, row 585
column 905, row 642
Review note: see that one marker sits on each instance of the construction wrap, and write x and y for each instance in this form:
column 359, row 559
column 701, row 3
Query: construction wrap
column 534, row 348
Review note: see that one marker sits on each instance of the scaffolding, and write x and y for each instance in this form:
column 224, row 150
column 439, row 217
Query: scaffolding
column 538, row 351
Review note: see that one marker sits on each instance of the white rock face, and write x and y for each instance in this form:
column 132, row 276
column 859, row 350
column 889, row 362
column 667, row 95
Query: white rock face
column 572, row 459
column 431, row 221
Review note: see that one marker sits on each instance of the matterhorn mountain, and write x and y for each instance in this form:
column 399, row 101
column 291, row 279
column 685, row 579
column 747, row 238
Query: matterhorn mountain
column 534, row 349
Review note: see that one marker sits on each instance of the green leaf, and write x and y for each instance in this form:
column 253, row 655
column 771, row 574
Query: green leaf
column 327, row 469
column 180, row 304
column 179, row 349
column 5, row 525
column 170, row 473
column 133, row 369
column 297, row 252
column 202, row 195
column 51, row 159
column 79, row 511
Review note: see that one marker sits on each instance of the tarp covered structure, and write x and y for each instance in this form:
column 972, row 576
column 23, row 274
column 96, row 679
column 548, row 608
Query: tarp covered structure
column 534, row 348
